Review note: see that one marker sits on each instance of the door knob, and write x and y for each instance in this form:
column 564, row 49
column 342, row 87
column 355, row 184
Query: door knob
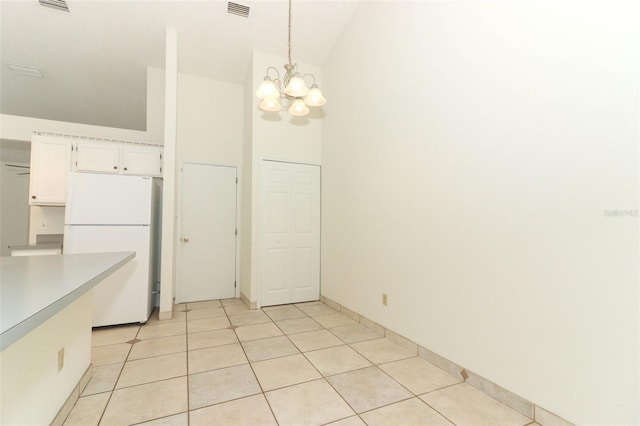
column 185, row 239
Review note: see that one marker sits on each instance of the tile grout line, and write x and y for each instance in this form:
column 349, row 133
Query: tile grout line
column 254, row 374
column 329, row 383
column 186, row 348
column 116, row 381
column 373, row 364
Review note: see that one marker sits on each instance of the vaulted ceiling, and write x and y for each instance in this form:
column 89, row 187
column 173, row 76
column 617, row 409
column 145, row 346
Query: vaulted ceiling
column 93, row 59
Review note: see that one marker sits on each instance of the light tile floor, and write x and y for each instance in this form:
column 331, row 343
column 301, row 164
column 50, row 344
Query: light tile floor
column 217, row 363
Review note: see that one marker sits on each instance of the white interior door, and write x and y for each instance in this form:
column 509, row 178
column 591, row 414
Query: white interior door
column 290, row 212
column 207, row 258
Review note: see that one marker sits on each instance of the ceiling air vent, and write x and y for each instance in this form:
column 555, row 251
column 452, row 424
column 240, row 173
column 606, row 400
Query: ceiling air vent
column 56, row 4
column 238, row 9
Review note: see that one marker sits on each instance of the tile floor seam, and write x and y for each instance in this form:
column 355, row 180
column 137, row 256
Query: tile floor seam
column 322, row 377
column 332, row 386
column 256, row 377
column 390, row 404
column 187, row 368
column 442, row 388
column 438, row 411
column 104, row 410
column 344, row 399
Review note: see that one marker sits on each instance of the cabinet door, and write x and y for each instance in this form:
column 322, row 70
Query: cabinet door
column 50, row 164
column 141, row 160
column 100, row 157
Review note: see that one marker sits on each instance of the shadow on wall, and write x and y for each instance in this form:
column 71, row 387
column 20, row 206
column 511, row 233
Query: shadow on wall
column 314, row 114
column 14, row 194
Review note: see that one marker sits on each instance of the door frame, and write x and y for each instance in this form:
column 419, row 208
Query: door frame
column 256, row 269
column 176, row 239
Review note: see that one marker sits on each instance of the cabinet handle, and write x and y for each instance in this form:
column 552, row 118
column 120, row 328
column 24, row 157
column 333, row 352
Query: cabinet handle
column 33, row 197
column 126, row 168
column 115, row 167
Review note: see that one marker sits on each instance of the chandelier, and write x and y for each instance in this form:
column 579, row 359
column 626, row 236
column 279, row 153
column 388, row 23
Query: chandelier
column 295, row 90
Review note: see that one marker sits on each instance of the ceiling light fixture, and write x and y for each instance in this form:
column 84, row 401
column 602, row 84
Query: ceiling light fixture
column 25, row 70
column 55, row 4
column 295, row 90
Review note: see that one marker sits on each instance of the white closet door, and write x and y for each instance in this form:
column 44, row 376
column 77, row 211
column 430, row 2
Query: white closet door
column 290, row 221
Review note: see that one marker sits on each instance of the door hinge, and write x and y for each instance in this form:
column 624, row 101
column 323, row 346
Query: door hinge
column 236, row 231
column 235, row 284
column 236, row 181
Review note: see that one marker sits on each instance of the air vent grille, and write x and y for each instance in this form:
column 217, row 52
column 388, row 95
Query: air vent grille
column 56, row 4
column 238, row 9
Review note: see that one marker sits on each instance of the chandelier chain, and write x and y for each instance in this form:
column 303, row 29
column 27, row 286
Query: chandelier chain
column 296, row 92
column 289, row 32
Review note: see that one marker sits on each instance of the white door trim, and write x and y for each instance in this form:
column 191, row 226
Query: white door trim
column 178, row 218
column 258, row 230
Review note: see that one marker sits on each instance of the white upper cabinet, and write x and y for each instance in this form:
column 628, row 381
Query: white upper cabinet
column 53, row 157
column 50, row 164
column 141, row 160
column 100, row 157
column 117, row 158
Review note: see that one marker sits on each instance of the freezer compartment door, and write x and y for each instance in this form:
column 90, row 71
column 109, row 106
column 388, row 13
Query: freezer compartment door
column 98, row 199
column 124, row 296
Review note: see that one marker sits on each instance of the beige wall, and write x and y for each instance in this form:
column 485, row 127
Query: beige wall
column 209, row 121
column 469, row 156
column 38, row 389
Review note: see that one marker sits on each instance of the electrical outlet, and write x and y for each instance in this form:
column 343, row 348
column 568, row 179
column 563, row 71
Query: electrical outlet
column 60, row 359
column 385, row 299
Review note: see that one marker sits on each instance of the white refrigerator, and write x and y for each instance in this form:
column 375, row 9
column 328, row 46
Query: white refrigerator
column 107, row 213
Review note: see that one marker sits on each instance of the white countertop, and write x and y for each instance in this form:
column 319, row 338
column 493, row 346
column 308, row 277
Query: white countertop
column 34, row 288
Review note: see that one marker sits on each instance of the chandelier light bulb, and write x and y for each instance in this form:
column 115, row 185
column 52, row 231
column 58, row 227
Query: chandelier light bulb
column 267, row 89
column 296, row 92
column 270, row 104
column 298, row 108
column 296, row 87
column 314, row 97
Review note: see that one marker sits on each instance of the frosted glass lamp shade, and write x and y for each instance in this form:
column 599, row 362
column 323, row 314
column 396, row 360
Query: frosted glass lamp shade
column 298, row 108
column 314, row 97
column 270, row 104
column 267, row 89
column 296, row 87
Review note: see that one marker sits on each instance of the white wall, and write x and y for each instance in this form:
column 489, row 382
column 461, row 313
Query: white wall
column 168, row 232
column 45, row 220
column 470, row 151
column 21, row 128
column 275, row 136
column 209, row 120
column 38, row 389
column 246, row 232
column 14, row 195
column 14, row 205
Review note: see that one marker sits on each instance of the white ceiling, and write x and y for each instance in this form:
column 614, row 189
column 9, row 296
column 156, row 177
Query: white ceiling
column 94, row 58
